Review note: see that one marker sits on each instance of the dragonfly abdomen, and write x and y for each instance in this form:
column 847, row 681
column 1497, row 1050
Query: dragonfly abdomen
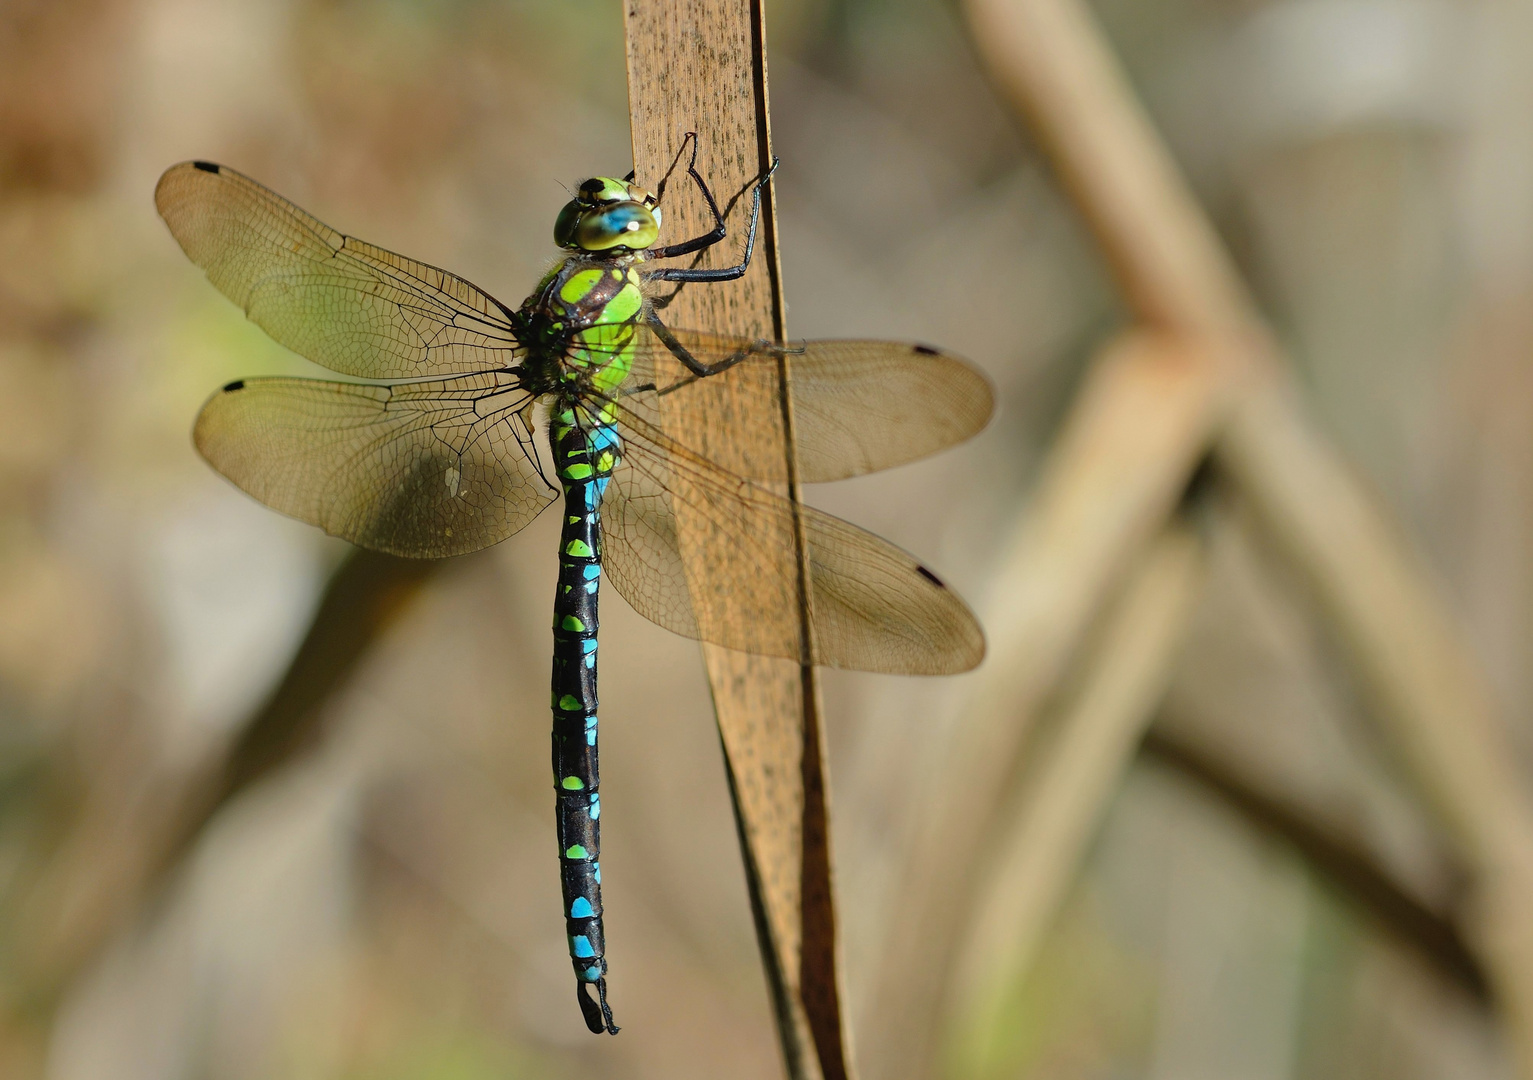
column 585, row 454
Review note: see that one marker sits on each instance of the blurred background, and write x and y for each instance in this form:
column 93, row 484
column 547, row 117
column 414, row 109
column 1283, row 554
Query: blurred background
column 384, row 906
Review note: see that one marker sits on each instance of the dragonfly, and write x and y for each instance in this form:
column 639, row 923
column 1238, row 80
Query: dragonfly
column 462, row 419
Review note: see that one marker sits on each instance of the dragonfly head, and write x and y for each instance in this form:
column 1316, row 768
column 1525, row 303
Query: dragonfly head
column 608, row 214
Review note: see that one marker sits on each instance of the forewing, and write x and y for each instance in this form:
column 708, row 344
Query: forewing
column 858, row 406
column 419, row 469
column 343, row 303
column 872, row 606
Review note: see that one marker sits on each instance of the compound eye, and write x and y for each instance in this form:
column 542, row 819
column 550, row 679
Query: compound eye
column 627, row 225
column 567, row 221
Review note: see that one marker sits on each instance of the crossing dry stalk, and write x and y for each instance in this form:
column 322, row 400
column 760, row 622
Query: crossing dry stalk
column 1116, row 694
column 1051, row 60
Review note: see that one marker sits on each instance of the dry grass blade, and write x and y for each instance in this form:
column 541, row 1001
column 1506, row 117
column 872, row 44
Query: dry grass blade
column 698, row 66
column 1337, row 855
column 1050, row 58
column 1380, row 601
column 1417, row 672
column 1117, row 691
column 1138, row 428
column 364, row 597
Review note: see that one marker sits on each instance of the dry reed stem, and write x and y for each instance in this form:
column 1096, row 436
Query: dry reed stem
column 1334, row 848
column 700, row 65
column 1116, row 692
column 1113, row 476
column 1384, row 608
column 82, row 899
column 1052, row 60
column 1049, row 60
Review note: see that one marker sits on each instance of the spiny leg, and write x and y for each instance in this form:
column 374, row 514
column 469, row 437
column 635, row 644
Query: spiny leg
column 660, row 188
column 699, row 369
column 708, row 239
column 691, row 137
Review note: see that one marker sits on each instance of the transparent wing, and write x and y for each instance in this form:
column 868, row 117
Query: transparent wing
column 858, row 406
column 872, row 606
column 348, row 305
column 422, row 469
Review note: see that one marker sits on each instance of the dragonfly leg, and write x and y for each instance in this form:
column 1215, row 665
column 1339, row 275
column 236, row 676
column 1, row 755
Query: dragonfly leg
column 691, row 137
column 660, row 189
column 696, row 366
column 708, row 239
column 712, row 236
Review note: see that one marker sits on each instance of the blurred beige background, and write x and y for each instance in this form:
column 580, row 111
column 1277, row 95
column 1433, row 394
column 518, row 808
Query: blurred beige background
column 386, row 908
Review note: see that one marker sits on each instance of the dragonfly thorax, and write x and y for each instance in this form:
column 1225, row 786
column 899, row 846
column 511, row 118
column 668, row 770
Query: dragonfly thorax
column 581, row 322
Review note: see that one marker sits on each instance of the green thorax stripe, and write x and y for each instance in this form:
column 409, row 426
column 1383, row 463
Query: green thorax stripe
column 606, row 301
